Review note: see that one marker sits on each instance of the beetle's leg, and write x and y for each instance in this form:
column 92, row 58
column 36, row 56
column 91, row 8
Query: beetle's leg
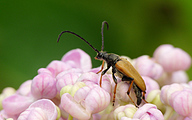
column 144, row 97
column 129, row 92
column 101, row 67
column 104, row 71
column 115, row 80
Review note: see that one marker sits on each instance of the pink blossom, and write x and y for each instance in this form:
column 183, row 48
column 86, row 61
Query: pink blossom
column 172, row 59
column 43, row 109
column 5, row 116
column 55, row 67
column 25, row 88
column 90, row 78
column 150, row 84
column 89, row 101
column 81, row 96
column 121, row 95
column 190, row 84
column 45, row 70
column 148, row 112
column 154, row 98
column 126, row 118
column 78, row 59
column 95, row 70
column 148, row 67
column 127, row 111
column 66, row 78
column 16, row 104
column 168, row 90
column 8, row 91
column 43, row 86
column 174, row 77
column 176, row 116
column 181, row 101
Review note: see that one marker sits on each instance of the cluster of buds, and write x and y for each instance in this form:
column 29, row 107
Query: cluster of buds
column 69, row 89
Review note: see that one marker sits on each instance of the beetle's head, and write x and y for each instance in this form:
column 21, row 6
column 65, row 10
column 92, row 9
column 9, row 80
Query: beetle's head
column 101, row 55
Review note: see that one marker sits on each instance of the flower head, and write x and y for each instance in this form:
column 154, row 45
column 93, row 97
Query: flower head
column 172, row 59
column 148, row 112
column 78, row 59
column 43, row 109
column 148, row 67
column 82, row 97
column 85, row 102
column 44, row 86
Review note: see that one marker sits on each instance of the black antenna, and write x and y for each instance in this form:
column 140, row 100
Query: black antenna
column 79, row 37
column 103, row 24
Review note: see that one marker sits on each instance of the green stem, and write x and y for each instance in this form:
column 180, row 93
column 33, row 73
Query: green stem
column 70, row 117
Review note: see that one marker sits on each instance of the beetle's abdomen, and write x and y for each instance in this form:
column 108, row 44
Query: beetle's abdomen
column 138, row 93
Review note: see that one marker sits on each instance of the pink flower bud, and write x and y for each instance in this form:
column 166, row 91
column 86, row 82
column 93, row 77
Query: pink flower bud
column 45, row 70
column 77, row 58
column 148, row 112
column 174, row 77
column 25, row 88
column 127, row 111
column 148, row 67
column 172, row 59
column 8, row 91
column 121, row 94
column 43, row 86
column 16, row 104
column 168, row 90
column 5, row 116
column 95, row 70
column 66, row 78
column 55, row 67
column 90, row 78
column 154, row 98
column 94, row 100
column 126, row 118
column 43, row 109
column 150, row 85
column 190, row 84
column 181, row 101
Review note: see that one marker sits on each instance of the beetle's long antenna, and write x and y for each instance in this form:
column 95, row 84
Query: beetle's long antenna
column 103, row 24
column 79, row 37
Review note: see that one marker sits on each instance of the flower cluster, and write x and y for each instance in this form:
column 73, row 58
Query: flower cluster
column 70, row 89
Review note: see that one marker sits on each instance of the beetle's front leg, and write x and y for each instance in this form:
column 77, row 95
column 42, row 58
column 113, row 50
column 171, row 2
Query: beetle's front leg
column 104, row 71
column 101, row 67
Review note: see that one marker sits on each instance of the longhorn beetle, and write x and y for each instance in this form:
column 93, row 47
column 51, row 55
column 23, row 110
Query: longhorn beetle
column 121, row 66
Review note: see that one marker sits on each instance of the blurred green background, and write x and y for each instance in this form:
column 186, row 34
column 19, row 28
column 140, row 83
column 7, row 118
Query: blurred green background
column 29, row 30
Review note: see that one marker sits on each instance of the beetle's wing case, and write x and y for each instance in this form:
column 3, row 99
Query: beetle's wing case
column 127, row 69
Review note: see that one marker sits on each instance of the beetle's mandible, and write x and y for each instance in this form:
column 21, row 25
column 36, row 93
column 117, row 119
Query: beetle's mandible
column 122, row 67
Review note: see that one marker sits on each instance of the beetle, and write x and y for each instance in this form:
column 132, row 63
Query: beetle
column 122, row 67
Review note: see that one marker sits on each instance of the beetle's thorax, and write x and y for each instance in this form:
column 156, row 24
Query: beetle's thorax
column 108, row 57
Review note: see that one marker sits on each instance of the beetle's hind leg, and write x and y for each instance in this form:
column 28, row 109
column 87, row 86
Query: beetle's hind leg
column 144, row 97
column 129, row 92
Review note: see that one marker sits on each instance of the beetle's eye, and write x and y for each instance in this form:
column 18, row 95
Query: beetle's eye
column 99, row 56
